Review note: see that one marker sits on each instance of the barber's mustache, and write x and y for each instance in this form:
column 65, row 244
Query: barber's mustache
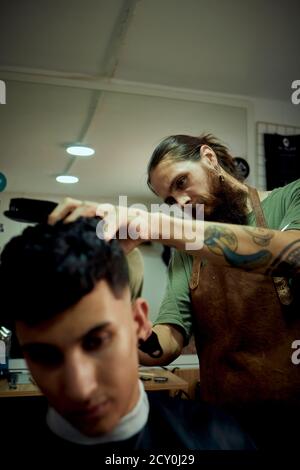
column 195, row 208
column 195, row 211
column 210, row 203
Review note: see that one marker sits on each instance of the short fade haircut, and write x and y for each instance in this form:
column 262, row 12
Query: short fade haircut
column 49, row 268
column 182, row 147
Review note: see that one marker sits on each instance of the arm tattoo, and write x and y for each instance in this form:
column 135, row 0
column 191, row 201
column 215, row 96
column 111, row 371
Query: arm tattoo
column 260, row 236
column 287, row 263
column 222, row 241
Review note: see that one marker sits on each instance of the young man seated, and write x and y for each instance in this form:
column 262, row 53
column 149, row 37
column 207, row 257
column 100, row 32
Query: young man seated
column 67, row 292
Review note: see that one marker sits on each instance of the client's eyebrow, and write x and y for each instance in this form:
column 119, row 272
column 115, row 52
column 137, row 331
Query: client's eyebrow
column 97, row 328
column 34, row 345
column 50, row 354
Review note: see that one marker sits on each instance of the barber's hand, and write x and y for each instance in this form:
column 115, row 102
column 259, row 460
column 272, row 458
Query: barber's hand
column 71, row 209
column 131, row 225
column 151, row 346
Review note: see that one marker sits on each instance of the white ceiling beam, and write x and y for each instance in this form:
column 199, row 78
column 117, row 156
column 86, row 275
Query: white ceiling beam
column 116, row 44
column 45, row 77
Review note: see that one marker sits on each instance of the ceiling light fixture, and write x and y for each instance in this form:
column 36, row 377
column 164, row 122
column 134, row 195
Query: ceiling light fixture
column 80, row 150
column 67, row 179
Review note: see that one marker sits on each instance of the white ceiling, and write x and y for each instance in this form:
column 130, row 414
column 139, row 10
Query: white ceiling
column 61, row 58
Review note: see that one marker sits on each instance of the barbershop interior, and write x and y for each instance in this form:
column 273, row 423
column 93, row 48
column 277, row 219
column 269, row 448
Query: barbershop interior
column 123, row 112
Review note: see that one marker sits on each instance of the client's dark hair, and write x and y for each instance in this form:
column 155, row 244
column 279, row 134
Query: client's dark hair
column 48, row 268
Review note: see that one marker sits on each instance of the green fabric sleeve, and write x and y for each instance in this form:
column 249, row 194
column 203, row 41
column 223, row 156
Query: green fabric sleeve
column 176, row 305
column 281, row 208
column 291, row 219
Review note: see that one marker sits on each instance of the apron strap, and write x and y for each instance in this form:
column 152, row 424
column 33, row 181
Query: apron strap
column 281, row 283
column 194, row 279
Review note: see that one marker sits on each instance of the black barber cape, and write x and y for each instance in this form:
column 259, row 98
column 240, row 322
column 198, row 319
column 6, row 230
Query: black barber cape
column 173, row 424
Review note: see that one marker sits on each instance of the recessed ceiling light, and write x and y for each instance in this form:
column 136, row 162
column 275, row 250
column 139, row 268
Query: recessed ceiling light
column 67, row 179
column 80, row 150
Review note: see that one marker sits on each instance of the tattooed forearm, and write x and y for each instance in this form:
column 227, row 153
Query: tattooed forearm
column 217, row 237
column 223, row 241
column 269, row 252
column 287, row 263
column 260, row 236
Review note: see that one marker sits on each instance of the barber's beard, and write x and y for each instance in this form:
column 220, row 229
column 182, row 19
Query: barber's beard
column 225, row 203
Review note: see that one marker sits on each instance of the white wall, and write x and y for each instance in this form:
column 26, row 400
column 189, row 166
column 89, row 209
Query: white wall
column 279, row 112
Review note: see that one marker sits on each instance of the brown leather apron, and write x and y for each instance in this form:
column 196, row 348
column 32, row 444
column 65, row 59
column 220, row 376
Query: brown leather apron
column 243, row 336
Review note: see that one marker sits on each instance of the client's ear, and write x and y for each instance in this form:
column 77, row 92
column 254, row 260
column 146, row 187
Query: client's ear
column 140, row 309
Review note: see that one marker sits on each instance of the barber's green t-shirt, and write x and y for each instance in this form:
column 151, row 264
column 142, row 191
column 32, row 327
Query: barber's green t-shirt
column 282, row 212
